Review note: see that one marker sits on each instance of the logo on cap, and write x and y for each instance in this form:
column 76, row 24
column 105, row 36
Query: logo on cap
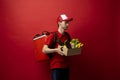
column 64, row 17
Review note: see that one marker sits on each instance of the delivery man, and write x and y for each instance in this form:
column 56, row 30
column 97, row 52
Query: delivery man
column 59, row 63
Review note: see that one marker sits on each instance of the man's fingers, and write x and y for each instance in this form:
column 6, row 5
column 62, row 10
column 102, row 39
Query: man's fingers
column 61, row 52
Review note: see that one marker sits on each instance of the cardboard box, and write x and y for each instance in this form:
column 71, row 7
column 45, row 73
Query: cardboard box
column 71, row 52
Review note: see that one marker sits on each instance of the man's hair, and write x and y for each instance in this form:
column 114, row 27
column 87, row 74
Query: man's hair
column 58, row 23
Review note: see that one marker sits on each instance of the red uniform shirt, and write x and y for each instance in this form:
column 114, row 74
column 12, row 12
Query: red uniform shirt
column 57, row 61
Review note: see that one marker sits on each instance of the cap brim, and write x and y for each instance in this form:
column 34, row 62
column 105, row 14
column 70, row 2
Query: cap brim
column 68, row 20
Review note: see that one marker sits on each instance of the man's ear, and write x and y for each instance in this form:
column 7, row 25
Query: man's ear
column 59, row 23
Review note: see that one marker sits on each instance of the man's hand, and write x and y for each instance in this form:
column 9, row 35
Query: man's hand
column 60, row 50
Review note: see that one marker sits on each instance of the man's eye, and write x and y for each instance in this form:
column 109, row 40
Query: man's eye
column 66, row 22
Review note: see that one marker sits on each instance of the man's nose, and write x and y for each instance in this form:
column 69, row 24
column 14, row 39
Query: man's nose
column 67, row 24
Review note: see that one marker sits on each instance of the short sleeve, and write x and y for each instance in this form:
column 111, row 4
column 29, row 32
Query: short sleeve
column 49, row 40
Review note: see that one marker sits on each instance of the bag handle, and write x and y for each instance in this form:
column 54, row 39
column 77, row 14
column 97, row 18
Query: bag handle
column 45, row 33
column 37, row 35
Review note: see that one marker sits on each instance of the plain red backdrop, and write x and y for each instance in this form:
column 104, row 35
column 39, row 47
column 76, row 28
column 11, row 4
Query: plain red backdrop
column 96, row 24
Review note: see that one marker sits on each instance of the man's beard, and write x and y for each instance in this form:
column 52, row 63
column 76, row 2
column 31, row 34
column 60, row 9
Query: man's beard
column 65, row 28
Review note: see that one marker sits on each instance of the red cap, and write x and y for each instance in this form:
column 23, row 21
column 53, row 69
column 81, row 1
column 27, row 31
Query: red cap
column 64, row 17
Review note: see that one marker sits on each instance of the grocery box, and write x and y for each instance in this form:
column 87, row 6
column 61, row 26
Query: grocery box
column 72, row 51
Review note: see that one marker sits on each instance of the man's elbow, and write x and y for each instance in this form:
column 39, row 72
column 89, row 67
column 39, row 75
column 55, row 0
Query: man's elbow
column 43, row 50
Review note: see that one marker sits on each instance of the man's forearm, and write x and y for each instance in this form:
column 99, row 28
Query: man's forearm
column 48, row 50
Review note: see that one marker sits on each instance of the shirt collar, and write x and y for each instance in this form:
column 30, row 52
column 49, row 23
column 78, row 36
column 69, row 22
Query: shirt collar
column 59, row 34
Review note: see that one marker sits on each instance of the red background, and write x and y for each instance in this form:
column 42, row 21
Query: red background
column 96, row 23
